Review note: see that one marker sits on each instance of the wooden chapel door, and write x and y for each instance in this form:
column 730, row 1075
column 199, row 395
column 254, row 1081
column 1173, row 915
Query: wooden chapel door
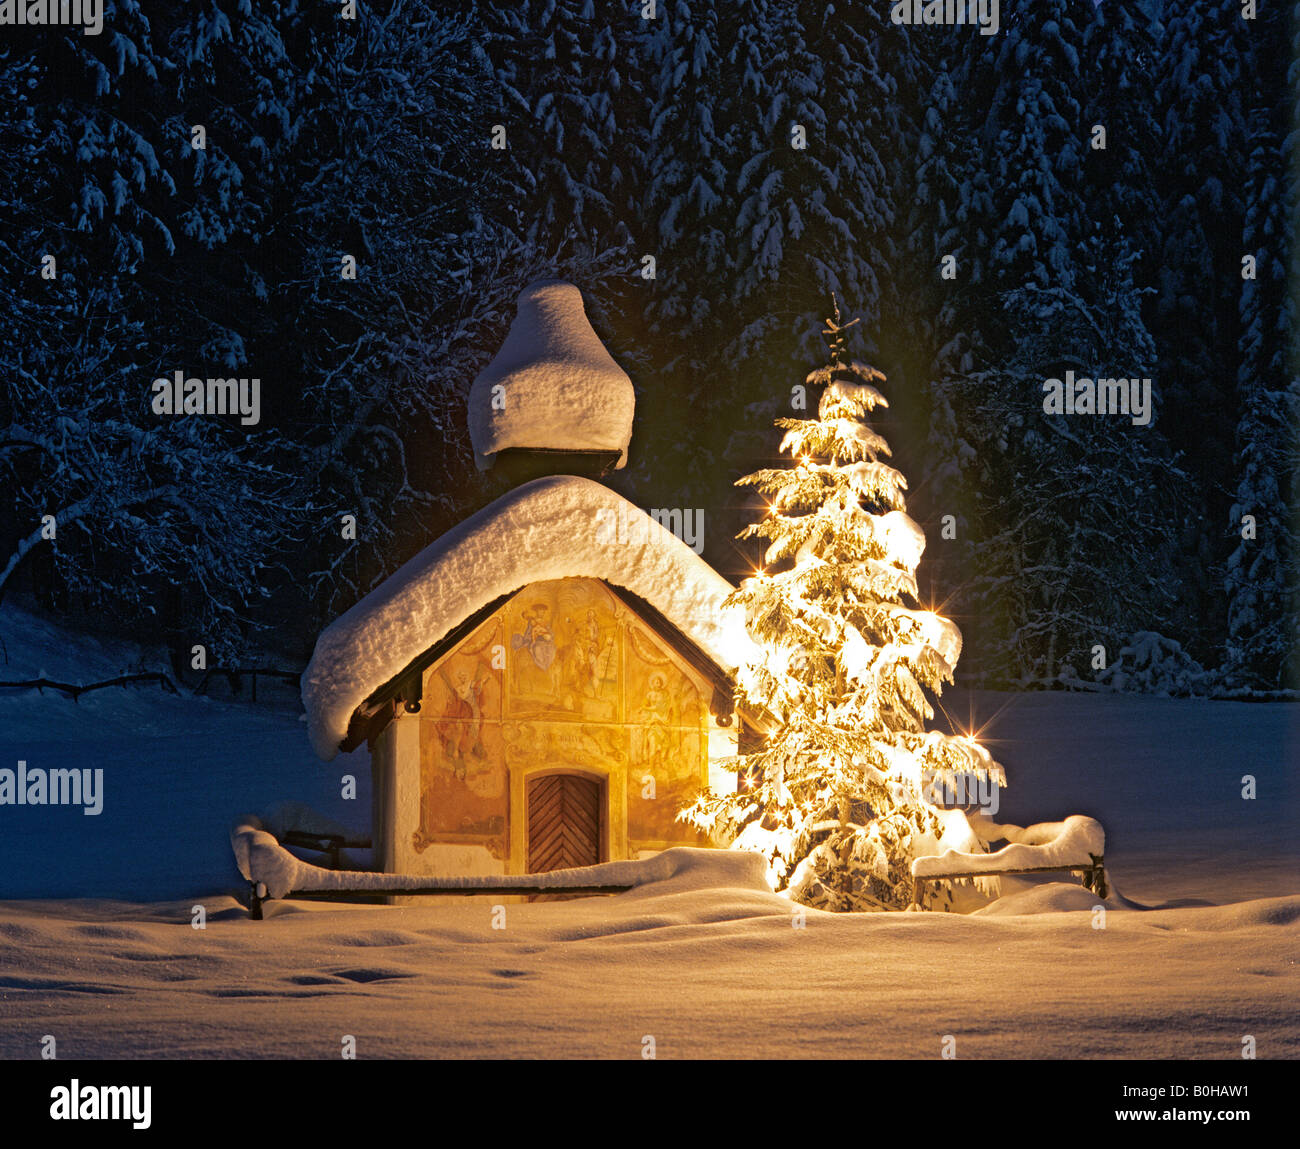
column 563, row 822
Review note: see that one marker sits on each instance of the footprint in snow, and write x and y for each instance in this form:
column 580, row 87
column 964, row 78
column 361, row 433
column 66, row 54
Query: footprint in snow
column 369, row 974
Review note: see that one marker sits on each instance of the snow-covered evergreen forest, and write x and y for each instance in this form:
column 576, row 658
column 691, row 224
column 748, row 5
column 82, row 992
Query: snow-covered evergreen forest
column 191, row 190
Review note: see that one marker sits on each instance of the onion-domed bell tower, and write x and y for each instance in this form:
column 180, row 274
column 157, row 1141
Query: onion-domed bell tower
column 552, row 401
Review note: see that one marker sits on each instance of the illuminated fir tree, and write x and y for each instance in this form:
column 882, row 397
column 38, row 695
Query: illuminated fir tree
column 837, row 798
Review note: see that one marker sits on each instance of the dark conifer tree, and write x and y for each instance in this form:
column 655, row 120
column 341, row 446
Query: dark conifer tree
column 1262, row 576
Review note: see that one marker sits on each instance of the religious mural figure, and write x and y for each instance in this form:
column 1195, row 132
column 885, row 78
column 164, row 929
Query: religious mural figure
column 589, row 665
column 464, row 780
column 462, row 719
column 654, row 716
column 533, row 674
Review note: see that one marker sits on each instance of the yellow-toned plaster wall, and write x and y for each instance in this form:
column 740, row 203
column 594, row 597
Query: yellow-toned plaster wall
column 563, row 677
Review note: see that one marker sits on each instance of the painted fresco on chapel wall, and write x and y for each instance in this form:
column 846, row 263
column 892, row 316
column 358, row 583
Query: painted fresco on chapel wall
column 665, row 710
column 563, row 676
column 464, row 791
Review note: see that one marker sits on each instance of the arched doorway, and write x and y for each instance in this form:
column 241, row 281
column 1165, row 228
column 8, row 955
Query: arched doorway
column 565, row 816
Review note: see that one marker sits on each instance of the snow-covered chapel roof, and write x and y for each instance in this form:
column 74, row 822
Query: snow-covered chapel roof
column 552, row 386
column 557, row 527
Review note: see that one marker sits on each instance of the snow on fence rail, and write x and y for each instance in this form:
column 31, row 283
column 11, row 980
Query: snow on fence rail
column 1076, row 845
column 273, row 872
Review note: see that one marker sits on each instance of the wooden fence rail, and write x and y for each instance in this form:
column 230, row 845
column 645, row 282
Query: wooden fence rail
column 232, row 675
column 76, row 691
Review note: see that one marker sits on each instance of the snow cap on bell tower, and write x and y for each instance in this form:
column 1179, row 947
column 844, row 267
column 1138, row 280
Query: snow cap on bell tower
column 552, row 388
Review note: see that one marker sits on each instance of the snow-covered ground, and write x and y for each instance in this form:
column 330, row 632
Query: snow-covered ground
column 706, row 972
column 97, row 947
